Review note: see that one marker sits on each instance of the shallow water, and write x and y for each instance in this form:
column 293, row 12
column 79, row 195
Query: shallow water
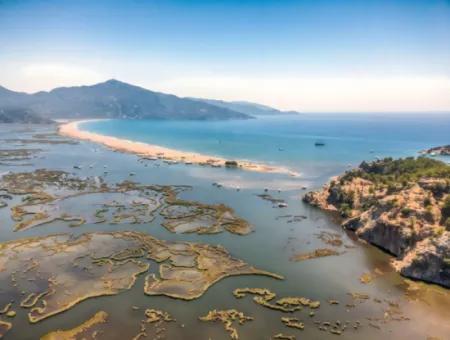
column 269, row 247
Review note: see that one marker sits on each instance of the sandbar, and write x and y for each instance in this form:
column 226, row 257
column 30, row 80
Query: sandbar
column 72, row 130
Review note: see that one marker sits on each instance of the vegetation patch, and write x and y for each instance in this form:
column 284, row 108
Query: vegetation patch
column 265, row 298
column 293, row 323
column 211, row 265
column 87, row 330
column 49, row 275
column 322, row 252
column 230, row 318
column 55, row 195
column 152, row 324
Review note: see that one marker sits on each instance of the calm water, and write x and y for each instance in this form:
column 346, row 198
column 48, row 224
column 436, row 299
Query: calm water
column 290, row 140
column 273, row 242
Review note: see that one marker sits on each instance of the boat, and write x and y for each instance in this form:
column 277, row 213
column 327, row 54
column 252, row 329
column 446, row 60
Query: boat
column 318, row 143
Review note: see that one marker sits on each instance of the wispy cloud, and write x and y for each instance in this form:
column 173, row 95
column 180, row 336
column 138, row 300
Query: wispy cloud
column 49, row 75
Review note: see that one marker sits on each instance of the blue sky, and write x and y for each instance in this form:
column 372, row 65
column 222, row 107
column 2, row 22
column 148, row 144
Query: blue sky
column 303, row 55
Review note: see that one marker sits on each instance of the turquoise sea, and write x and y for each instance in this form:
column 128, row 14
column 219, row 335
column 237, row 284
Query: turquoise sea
column 290, row 140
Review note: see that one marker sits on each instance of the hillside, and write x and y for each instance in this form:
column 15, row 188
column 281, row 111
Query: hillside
column 248, row 108
column 114, row 99
column 20, row 115
column 401, row 206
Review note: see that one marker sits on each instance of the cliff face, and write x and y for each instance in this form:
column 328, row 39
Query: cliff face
column 403, row 208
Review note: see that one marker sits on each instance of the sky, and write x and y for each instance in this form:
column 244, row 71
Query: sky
column 310, row 56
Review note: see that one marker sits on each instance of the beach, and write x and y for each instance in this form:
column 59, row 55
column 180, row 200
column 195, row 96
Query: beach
column 150, row 151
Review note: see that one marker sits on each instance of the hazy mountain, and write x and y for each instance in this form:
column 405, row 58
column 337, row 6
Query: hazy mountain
column 21, row 115
column 10, row 98
column 115, row 99
column 249, row 108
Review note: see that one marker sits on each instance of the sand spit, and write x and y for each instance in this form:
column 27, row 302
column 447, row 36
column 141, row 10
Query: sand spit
column 151, row 151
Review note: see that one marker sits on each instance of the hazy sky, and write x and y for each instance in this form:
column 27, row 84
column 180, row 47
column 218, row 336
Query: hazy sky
column 302, row 55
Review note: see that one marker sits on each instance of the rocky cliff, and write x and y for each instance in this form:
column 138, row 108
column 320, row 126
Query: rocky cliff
column 401, row 206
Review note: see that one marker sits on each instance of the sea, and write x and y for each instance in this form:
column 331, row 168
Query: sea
column 317, row 146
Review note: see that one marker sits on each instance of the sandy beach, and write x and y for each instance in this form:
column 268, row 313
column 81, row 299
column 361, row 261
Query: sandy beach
column 71, row 129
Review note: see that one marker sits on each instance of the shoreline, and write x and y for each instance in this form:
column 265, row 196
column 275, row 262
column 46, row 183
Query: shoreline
column 152, row 151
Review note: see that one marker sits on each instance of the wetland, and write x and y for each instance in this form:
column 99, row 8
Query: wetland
column 103, row 244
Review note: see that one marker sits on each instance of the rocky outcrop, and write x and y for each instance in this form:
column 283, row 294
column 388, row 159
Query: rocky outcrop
column 428, row 261
column 438, row 150
column 407, row 216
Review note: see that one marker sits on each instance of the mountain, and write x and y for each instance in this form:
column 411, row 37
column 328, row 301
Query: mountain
column 115, row 99
column 10, row 98
column 21, row 115
column 252, row 109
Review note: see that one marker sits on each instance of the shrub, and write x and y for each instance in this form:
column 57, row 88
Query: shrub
column 429, row 214
column 401, row 171
column 345, row 210
column 391, row 189
column 405, row 212
column 440, row 188
column 439, row 231
column 347, row 198
column 445, row 210
column 231, row 164
column 447, row 224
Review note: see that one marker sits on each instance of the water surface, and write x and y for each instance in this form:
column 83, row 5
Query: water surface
column 274, row 240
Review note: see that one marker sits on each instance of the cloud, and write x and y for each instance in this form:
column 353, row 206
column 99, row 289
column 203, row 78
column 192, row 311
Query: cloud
column 45, row 76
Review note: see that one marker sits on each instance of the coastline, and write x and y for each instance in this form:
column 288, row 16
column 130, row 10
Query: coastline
column 152, row 151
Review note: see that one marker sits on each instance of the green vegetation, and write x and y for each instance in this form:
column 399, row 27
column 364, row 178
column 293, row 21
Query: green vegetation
column 394, row 176
column 445, row 211
column 447, row 223
column 406, row 212
column 231, row 164
column 399, row 172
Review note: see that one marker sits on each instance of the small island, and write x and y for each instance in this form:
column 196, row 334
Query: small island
column 438, row 151
column 402, row 206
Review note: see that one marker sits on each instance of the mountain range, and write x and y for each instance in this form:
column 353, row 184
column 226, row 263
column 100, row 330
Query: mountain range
column 249, row 108
column 116, row 99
